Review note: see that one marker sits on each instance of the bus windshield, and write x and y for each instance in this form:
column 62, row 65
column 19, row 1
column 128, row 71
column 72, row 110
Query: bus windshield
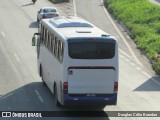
column 91, row 50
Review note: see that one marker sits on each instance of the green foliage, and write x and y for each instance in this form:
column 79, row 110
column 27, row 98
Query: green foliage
column 156, row 67
column 142, row 19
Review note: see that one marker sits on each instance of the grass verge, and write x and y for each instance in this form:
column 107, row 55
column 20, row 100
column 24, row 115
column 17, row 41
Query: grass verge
column 141, row 18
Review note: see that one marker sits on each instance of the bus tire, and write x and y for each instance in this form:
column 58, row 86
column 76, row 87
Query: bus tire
column 57, row 103
column 41, row 74
column 37, row 19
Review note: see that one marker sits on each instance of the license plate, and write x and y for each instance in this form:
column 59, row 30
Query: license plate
column 91, row 94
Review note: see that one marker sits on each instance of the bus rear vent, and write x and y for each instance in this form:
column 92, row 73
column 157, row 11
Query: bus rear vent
column 61, row 22
column 80, row 31
column 105, row 35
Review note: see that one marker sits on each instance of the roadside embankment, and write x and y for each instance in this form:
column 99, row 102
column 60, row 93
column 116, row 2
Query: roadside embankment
column 141, row 18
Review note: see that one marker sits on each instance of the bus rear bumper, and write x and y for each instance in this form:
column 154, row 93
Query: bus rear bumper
column 90, row 100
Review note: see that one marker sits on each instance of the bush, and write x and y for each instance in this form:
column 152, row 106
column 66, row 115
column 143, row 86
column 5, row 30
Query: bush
column 156, row 67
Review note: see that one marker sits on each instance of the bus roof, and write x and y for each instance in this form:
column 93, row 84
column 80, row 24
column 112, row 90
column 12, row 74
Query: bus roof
column 69, row 27
column 61, row 22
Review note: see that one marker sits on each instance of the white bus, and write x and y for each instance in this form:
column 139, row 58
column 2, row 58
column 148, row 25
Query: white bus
column 77, row 61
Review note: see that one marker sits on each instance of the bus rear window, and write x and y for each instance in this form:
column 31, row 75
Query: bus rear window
column 91, row 50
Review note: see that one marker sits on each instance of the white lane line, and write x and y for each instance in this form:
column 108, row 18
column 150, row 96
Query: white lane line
column 16, row 56
column 126, row 60
column 124, row 53
column 138, row 68
column 38, row 95
column 3, row 34
column 131, row 51
column 146, row 74
column 11, row 63
column 75, row 10
column 132, row 64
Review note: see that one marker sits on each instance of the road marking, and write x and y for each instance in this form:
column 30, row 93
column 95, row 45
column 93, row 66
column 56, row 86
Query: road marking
column 11, row 63
column 124, row 40
column 3, row 34
column 75, row 10
column 124, row 53
column 39, row 96
column 126, row 60
column 146, row 74
column 17, row 58
column 138, row 68
column 132, row 64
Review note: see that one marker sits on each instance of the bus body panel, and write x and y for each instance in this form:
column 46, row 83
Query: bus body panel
column 86, row 81
column 51, row 68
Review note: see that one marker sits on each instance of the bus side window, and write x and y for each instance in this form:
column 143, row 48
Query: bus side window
column 46, row 38
column 57, row 49
column 48, row 44
column 41, row 35
column 51, row 47
column 55, row 46
column 60, row 51
column 53, row 43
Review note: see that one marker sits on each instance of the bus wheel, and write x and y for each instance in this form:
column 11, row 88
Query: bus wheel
column 37, row 19
column 41, row 74
column 56, row 97
column 43, row 81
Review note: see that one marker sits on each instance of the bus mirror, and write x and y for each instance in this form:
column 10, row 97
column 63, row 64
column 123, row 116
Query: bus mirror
column 33, row 41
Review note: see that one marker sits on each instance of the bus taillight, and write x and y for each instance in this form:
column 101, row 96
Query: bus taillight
column 115, row 86
column 65, row 87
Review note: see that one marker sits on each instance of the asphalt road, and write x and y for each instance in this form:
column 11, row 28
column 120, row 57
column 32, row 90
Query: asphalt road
column 20, row 87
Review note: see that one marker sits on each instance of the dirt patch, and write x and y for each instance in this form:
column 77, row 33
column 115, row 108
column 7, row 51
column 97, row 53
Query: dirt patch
column 65, row 8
